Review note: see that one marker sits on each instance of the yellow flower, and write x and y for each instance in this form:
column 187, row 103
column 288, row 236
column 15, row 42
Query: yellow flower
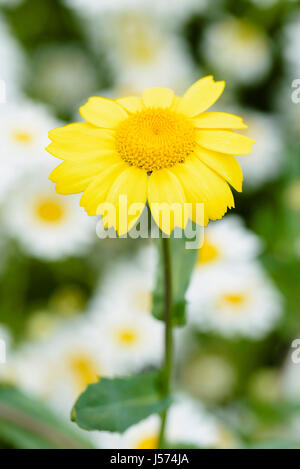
column 158, row 148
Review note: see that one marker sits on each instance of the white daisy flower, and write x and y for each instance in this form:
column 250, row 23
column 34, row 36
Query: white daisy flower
column 132, row 340
column 227, row 241
column 187, row 423
column 24, row 134
column 46, row 224
column 64, row 76
column 265, row 163
column 129, row 285
column 58, row 370
column 12, row 63
column 141, row 52
column 234, row 300
column 238, row 50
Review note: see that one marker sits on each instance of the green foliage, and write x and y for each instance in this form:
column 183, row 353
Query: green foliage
column 28, row 424
column 116, row 404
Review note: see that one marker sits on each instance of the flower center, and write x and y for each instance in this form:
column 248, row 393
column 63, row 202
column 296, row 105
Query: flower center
column 127, row 337
column 22, row 137
column 149, row 442
column 155, row 139
column 233, row 302
column 49, row 211
column 208, row 253
column 84, row 371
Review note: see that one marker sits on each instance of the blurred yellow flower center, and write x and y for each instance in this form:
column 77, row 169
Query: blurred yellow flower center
column 155, row 138
column 234, row 299
column 49, row 210
column 127, row 337
column 208, row 253
column 84, row 371
column 149, row 442
column 22, row 137
column 139, row 44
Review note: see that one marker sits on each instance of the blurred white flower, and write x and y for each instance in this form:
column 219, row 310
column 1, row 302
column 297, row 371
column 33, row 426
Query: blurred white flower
column 46, row 224
column 188, row 423
column 265, row 163
column 11, row 3
column 23, row 134
column 132, row 340
column 234, row 300
column 64, row 76
column 59, row 369
column 227, row 241
column 12, row 62
column 128, row 285
column 141, row 53
column 238, row 50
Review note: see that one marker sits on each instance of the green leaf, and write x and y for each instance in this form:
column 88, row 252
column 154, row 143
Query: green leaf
column 116, row 404
column 182, row 265
column 25, row 423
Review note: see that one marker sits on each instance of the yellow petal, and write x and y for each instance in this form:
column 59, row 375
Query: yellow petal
column 98, row 189
column 200, row 96
column 103, row 112
column 128, row 195
column 202, row 185
column 225, row 141
column 166, row 199
column 225, row 165
column 132, row 104
column 158, row 97
column 71, row 178
column 221, row 120
column 76, row 133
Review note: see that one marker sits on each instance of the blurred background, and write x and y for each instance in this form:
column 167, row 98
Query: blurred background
column 72, row 306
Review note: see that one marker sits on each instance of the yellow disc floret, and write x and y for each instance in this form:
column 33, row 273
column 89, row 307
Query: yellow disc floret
column 154, row 139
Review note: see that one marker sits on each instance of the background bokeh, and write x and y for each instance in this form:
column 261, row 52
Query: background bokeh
column 71, row 304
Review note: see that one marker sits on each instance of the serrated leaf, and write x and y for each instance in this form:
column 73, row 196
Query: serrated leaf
column 26, row 423
column 116, row 404
column 182, row 265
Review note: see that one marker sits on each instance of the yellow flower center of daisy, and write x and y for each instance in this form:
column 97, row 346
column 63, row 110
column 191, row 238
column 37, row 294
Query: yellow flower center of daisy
column 155, row 139
column 149, row 442
column 208, row 253
column 84, row 371
column 22, row 137
column 233, row 299
column 49, row 210
column 127, row 337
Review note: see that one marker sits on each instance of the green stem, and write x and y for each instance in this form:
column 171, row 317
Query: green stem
column 167, row 370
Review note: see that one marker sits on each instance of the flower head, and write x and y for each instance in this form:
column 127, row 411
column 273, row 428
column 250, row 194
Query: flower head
column 158, row 148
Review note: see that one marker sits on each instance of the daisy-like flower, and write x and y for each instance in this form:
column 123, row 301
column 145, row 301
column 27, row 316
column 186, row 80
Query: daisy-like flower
column 188, row 423
column 129, row 285
column 23, row 133
column 132, row 340
column 56, row 68
column 58, row 370
column 158, row 148
column 46, row 224
column 227, row 241
column 237, row 49
column 141, row 52
column 234, row 301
